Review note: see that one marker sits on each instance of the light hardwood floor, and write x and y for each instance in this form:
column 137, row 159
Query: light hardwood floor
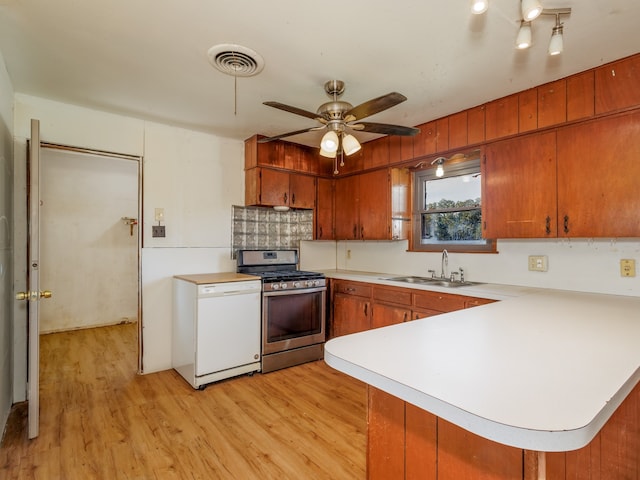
column 99, row 420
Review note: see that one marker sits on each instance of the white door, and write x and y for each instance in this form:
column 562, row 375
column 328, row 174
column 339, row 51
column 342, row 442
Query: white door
column 34, row 294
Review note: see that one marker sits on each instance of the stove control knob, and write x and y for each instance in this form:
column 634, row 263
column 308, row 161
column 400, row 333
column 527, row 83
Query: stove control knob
column 275, row 286
column 296, row 285
column 283, row 285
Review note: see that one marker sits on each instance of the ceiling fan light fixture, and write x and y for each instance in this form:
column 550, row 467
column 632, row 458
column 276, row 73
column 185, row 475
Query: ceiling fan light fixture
column 330, row 142
column 326, row 154
column 479, row 6
column 531, row 9
column 350, row 144
column 523, row 40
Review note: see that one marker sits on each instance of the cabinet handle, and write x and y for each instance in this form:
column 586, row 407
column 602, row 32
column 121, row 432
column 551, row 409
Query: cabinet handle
column 548, row 225
column 293, row 199
column 404, row 317
column 566, row 224
column 285, row 197
column 355, row 231
column 362, row 232
column 320, row 231
column 366, row 309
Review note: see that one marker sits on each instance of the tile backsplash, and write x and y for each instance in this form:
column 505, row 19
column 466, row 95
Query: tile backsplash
column 264, row 228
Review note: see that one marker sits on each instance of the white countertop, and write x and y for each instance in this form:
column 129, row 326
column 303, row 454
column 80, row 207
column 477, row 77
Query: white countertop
column 541, row 371
column 493, row 291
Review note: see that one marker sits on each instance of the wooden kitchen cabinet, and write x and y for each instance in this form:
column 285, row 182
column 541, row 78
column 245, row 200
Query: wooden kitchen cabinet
column 280, row 154
column 552, row 103
column 616, row 85
column 325, row 209
column 390, row 306
column 269, row 187
column 598, row 172
column 501, row 117
column 519, row 198
column 351, row 307
column 362, row 207
column 375, row 153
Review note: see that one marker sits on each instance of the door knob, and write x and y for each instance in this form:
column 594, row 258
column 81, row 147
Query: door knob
column 33, row 295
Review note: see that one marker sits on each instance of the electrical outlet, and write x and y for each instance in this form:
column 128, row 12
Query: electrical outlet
column 157, row 231
column 538, row 263
column 348, row 254
column 627, row 267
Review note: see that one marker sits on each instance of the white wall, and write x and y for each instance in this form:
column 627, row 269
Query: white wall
column 194, row 176
column 88, row 256
column 586, row 265
column 6, row 245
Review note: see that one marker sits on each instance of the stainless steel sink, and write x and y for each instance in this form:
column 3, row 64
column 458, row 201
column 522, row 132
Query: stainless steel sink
column 440, row 282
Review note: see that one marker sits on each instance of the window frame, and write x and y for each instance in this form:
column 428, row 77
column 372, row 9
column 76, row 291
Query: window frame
column 467, row 165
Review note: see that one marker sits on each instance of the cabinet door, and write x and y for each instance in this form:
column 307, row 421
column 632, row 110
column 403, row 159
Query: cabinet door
column 383, row 315
column 519, row 188
column 385, row 436
column 501, row 117
column 375, row 206
column 350, row 314
column 324, row 209
column 346, row 208
column 274, row 187
column 302, row 191
column 375, row 153
column 598, row 172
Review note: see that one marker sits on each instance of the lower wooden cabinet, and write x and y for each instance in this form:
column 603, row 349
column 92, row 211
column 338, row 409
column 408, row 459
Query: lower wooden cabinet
column 359, row 306
column 406, row 442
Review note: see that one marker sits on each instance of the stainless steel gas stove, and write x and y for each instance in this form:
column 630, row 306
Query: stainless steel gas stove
column 293, row 307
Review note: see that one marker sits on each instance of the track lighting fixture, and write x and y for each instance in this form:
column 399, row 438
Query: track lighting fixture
column 556, row 43
column 479, row 6
column 531, row 9
column 523, row 39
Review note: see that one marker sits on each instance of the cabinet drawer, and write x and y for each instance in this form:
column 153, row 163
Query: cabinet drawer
column 440, row 302
column 476, row 302
column 348, row 288
column 400, row 296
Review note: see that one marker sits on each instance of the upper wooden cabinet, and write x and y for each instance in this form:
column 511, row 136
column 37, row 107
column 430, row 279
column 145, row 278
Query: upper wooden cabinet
column 279, row 154
column 325, row 209
column 616, row 85
column 362, row 207
column 375, row 154
column 598, row 172
column 501, row 117
column 519, row 197
column 580, row 182
column 269, row 187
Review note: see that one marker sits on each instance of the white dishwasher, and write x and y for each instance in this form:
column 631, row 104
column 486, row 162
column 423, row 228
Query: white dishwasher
column 216, row 326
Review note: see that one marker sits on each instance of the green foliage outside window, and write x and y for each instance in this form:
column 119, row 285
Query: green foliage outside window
column 448, row 220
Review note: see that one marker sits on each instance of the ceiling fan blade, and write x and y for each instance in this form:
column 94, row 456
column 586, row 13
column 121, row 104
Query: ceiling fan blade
column 288, row 134
column 385, row 129
column 375, row 105
column 296, row 110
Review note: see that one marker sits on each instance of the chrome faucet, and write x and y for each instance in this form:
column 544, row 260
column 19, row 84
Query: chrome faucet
column 444, row 263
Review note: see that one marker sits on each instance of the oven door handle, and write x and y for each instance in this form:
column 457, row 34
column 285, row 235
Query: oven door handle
column 301, row 291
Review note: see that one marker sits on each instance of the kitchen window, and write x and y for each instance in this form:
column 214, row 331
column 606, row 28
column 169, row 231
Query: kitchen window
column 447, row 210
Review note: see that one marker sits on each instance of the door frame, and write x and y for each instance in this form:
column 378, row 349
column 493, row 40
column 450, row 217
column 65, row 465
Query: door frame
column 139, row 160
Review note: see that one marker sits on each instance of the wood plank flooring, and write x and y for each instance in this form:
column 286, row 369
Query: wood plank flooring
column 99, row 420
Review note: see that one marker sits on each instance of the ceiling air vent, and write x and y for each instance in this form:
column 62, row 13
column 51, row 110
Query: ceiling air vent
column 235, row 60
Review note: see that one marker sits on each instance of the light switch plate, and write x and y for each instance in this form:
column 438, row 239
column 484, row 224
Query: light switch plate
column 538, row 263
column 627, row 267
column 159, row 214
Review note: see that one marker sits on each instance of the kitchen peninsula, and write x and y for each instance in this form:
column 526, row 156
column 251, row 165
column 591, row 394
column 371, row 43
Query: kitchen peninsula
column 488, row 390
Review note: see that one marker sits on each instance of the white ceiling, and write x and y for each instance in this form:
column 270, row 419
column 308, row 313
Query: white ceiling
column 148, row 58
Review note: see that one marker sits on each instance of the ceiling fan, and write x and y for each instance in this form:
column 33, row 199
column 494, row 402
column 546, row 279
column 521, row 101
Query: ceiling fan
column 339, row 117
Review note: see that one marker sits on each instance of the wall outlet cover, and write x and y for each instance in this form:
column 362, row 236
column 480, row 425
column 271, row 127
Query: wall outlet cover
column 627, row 267
column 157, row 231
column 538, row 263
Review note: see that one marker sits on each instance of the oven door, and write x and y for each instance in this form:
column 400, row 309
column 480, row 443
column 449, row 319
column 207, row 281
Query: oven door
column 293, row 319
